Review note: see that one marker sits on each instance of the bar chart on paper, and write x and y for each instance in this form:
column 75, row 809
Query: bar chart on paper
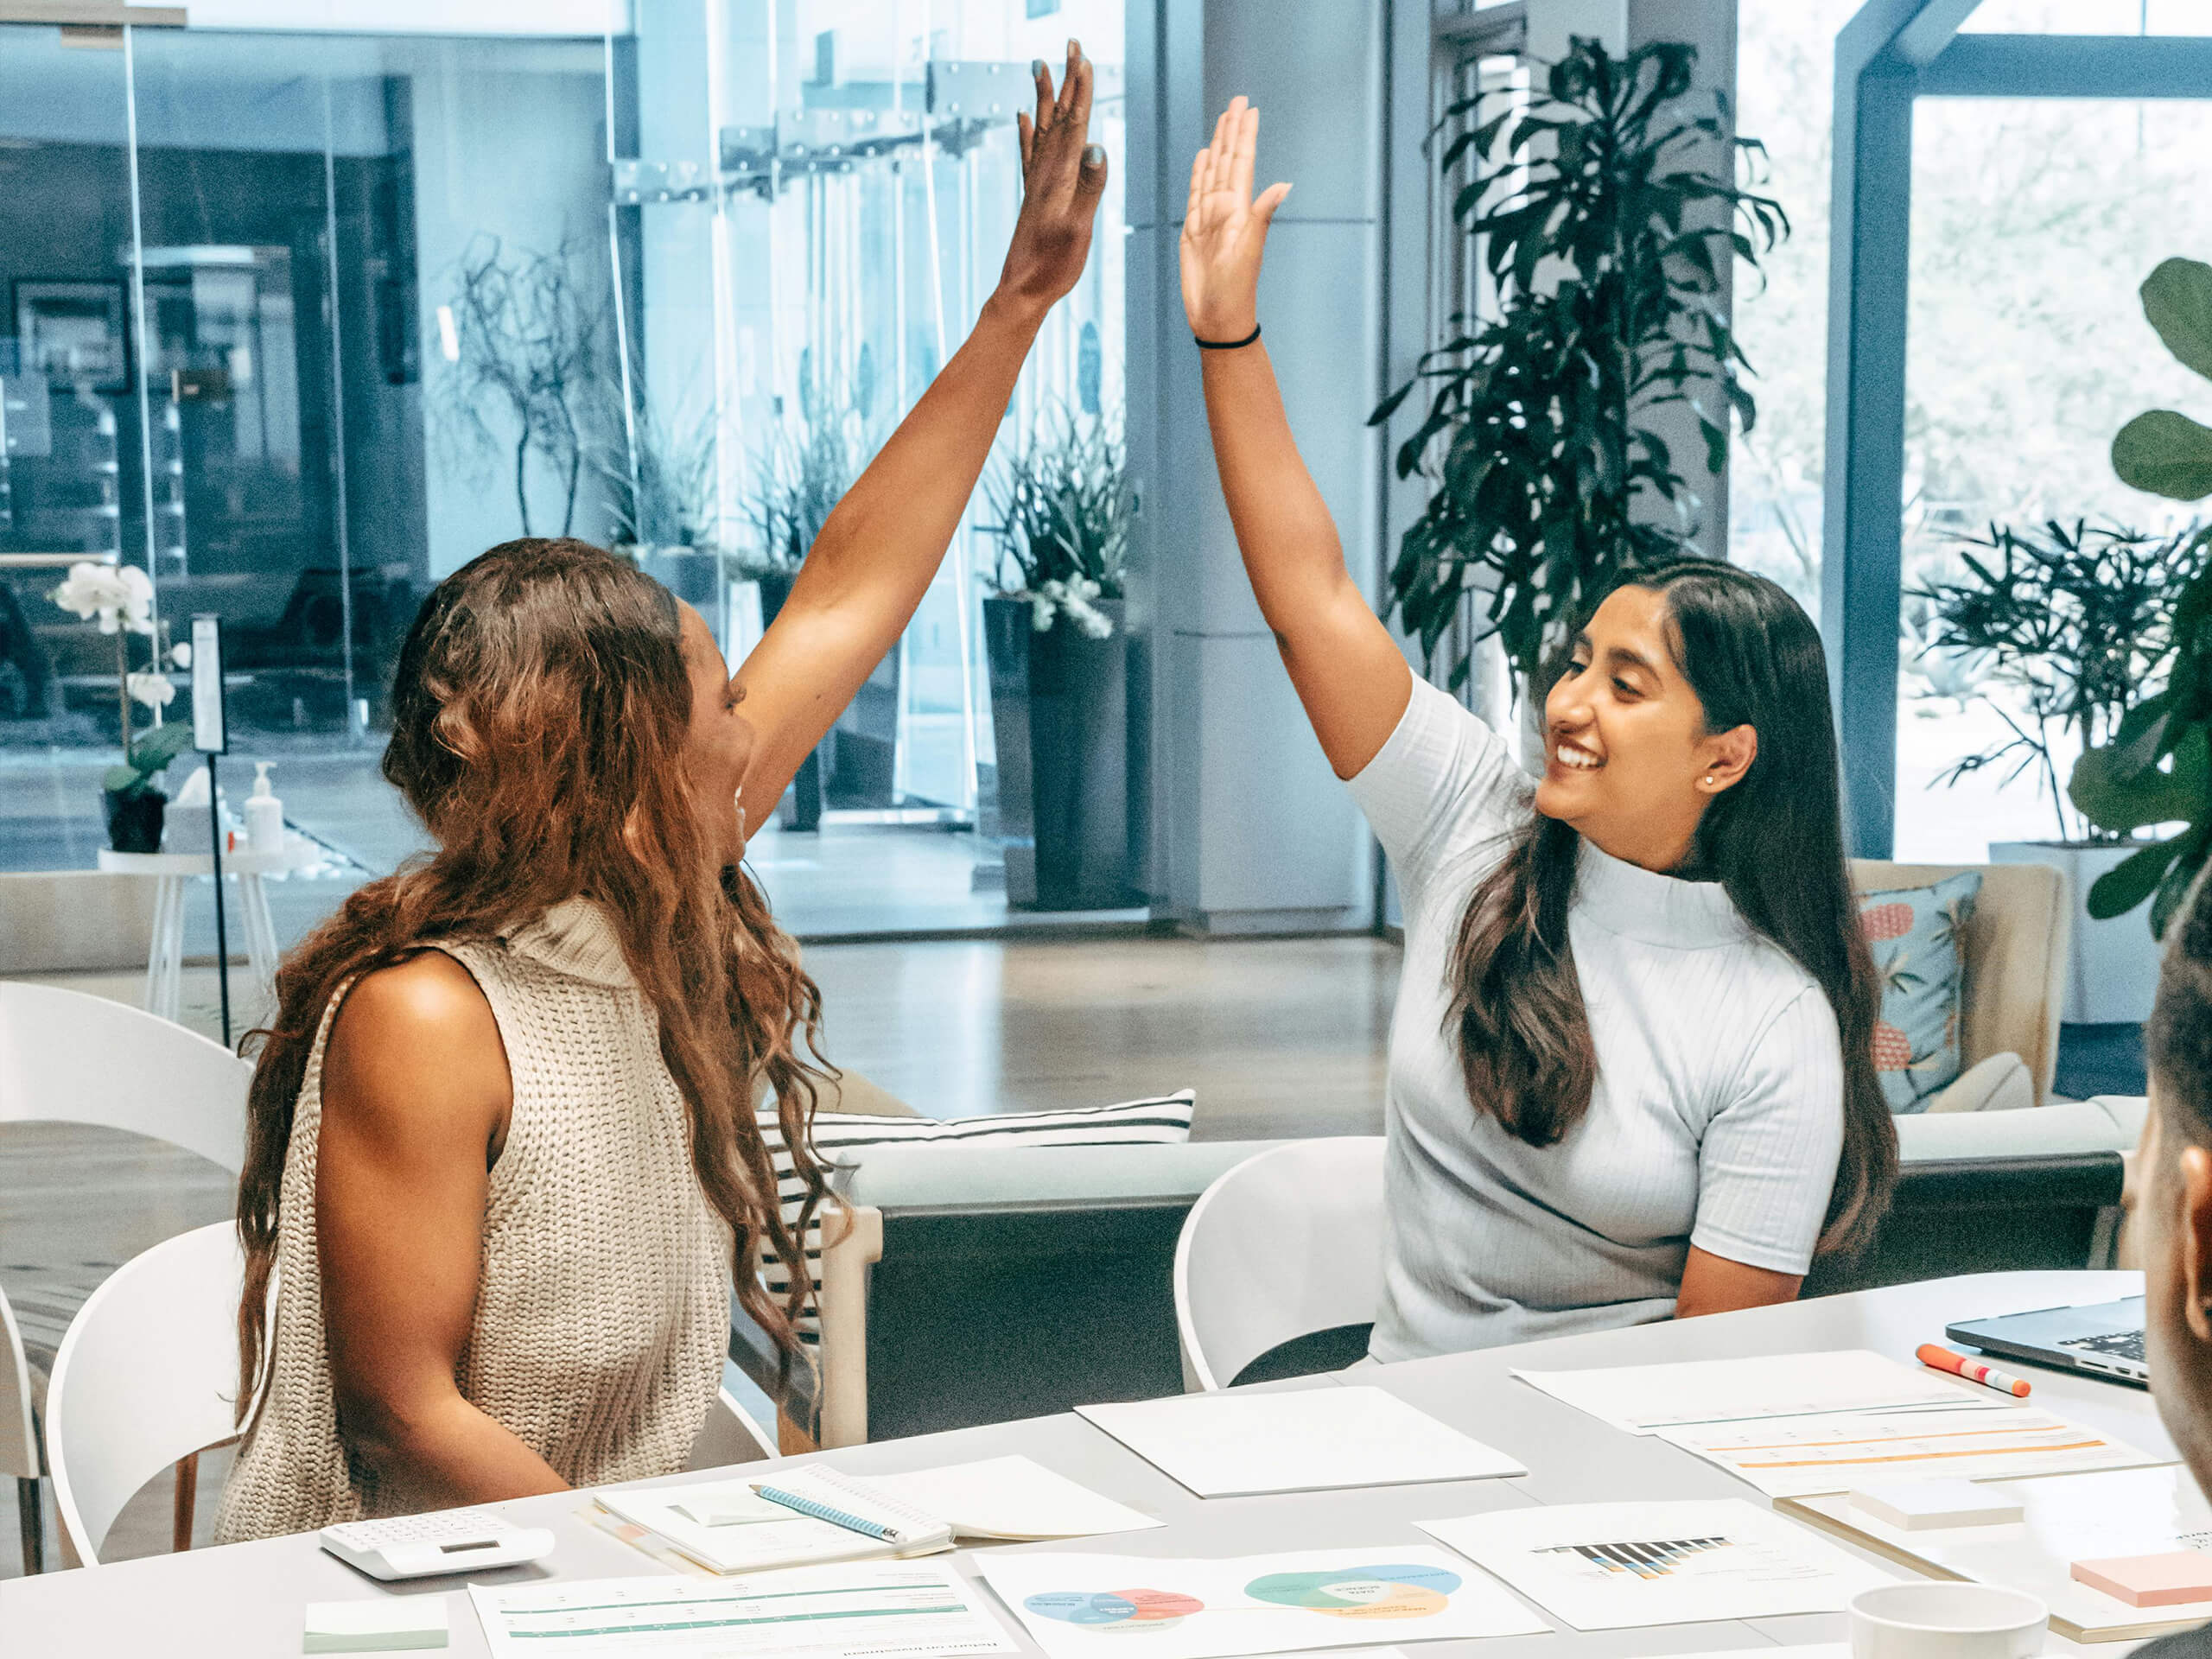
column 1652, row 1559
column 1609, row 1566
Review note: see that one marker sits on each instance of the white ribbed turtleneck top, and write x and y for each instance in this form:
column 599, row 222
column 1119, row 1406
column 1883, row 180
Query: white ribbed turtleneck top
column 602, row 1311
column 1717, row 1115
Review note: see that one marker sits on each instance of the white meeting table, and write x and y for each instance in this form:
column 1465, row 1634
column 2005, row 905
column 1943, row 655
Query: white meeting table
column 245, row 1601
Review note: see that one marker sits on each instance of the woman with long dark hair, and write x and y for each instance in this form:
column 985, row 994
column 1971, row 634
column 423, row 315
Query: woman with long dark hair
column 503, row 1168
column 1632, row 1067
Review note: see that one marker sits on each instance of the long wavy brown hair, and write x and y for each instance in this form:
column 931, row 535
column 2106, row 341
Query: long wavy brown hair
column 539, row 712
column 1774, row 844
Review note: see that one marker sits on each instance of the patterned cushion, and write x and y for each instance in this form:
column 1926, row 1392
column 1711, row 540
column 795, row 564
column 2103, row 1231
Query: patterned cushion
column 1915, row 934
column 1164, row 1120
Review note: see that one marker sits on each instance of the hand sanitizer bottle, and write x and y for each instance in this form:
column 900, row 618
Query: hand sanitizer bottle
column 264, row 814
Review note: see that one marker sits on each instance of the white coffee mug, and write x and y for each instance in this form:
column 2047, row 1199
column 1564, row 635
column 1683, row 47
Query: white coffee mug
column 1938, row 1620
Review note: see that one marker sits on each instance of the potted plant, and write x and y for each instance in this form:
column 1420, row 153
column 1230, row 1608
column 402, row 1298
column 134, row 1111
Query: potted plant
column 1060, row 667
column 2156, row 768
column 802, row 474
column 120, row 599
column 1607, row 218
column 2057, row 631
column 660, row 480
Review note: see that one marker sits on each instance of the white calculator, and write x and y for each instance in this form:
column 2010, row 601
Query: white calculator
column 446, row 1541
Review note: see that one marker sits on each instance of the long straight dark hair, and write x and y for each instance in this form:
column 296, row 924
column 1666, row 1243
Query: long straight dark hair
column 1774, row 844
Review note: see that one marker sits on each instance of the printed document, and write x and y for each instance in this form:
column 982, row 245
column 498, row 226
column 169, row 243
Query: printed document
column 1643, row 1399
column 1309, row 1441
column 1141, row 1607
column 1012, row 1497
column 1609, row 1567
column 863, row 1610
column 1794, row 1457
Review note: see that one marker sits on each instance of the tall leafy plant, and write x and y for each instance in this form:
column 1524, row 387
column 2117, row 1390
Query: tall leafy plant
column 1606, row 213
column 2156, row 768
column 802, row 473
column 2069, row 622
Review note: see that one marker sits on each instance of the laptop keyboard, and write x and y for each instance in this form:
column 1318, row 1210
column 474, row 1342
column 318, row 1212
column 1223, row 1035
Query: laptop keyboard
column 2120, row 1344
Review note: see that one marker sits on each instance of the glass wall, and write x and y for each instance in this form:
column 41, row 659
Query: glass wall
column 2033, row 223
column 297, row 324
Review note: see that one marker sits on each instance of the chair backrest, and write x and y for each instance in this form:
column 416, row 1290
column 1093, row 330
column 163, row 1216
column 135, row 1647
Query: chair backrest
column 86, row 1059
column 2015, row 944
column 18, row 1441
column 146, row 1375
column 1287, row 1244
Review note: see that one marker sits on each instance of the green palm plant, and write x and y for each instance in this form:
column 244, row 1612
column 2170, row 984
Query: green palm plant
column 1608, row 227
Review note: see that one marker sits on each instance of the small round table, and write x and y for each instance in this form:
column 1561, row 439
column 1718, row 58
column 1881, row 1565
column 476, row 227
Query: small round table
column 165, row 959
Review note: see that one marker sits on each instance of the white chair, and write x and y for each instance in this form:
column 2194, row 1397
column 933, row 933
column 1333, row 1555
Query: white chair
column 145, row 1379
column 19, row 1437
column 730, row 1435
column 69, row 1057
column 76, row 1058
column 1287, row 1244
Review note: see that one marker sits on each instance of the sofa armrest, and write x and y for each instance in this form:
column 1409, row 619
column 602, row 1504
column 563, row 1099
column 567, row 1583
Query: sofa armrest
column 2080, row 1126
column 926, row 1180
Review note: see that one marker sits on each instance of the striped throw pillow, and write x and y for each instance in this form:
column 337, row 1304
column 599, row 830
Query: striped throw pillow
column 843, row 1139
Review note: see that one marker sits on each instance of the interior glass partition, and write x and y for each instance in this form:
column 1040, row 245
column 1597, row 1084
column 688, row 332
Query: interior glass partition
column 296, row 323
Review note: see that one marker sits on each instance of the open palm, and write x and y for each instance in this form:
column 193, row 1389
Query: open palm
column 1225, row 231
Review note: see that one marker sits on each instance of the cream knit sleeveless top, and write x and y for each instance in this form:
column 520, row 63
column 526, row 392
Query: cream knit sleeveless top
column 603, row 1308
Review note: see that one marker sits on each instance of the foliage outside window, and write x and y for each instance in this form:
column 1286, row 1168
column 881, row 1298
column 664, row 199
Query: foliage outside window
column 2058, row 631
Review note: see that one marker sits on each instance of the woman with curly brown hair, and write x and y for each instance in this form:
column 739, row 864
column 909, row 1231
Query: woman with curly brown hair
column 503, row 1170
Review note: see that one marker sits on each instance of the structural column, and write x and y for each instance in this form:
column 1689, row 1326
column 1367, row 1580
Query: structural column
column 1251, row 832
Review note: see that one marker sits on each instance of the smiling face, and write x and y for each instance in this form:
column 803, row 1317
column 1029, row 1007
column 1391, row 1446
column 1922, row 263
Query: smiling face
column 1628, row 759
column 718, row 746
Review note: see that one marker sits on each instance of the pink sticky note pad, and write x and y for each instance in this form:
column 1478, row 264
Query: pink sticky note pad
column 2151, row 1580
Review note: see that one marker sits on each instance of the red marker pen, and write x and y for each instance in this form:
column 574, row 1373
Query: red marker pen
column 1972, row 1370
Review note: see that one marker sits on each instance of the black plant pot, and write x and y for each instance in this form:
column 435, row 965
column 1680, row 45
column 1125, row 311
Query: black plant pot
column 806, row 787
column 134, row 820
column 1060, row 716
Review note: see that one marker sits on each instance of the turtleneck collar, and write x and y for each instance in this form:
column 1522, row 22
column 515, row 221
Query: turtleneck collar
column 1654, row 909
column 573, row 937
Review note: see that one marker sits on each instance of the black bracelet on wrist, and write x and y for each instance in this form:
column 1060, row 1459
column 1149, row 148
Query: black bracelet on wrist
column 1226, row 344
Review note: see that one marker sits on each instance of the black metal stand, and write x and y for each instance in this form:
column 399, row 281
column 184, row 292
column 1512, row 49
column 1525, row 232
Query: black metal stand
column 222, row 936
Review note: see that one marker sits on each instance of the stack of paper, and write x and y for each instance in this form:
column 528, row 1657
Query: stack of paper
column 1307, row 1440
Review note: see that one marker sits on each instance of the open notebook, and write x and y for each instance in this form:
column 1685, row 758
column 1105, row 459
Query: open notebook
column 729, row 1527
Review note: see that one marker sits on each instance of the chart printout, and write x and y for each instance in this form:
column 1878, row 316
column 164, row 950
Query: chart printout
column 1145, row 1607
column 851, row 1611
column 1644, row 1399
column 1796, row 1456
column 1609, row 1567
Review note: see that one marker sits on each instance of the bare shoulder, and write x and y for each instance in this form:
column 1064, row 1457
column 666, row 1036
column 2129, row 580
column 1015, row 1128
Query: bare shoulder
column 415, row 1049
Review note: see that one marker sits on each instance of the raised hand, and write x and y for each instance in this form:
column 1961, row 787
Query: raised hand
column 1224, row 231
column 1063, row 176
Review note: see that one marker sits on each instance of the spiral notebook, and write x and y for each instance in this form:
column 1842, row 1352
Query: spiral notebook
column 727, row 1526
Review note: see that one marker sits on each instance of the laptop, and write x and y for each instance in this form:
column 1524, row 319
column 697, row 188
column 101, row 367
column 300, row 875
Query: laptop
column 2104, row 1340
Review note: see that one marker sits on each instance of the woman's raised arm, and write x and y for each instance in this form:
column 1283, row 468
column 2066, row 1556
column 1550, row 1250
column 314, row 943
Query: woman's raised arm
column 880, row 548
column 1349, row 672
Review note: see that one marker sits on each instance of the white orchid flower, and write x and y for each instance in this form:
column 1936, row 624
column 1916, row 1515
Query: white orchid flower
column 116, row 596
column 180, row 654
column 151, row 688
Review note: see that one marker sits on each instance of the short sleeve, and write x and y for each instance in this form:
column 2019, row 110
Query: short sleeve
column 1442, row 772
column 1768, row 1161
